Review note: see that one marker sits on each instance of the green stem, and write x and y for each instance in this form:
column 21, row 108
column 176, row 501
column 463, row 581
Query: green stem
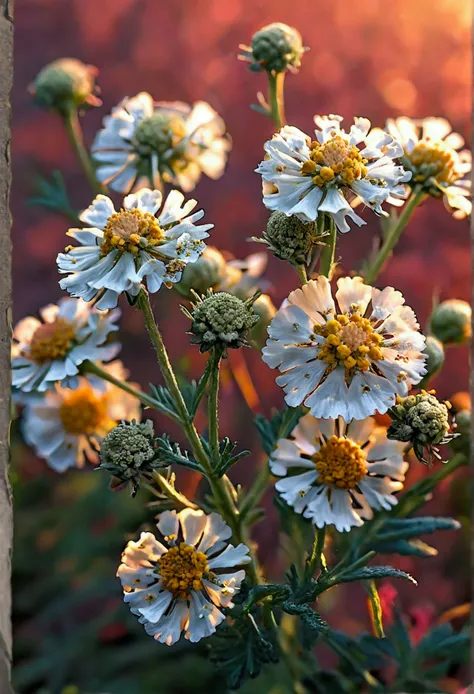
column 213, row 405
column 74, row 131
column 328, row 251
column 317, row 554
column 93, row 368
column 276, row 98
column 301, row 272
column 394, row 235
column 256, row 491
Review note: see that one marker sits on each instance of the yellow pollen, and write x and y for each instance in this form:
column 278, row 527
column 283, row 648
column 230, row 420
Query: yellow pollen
column 51, row 341
column 182, row 569
column 335, row 161
column 349, row 341
column 84, row 412
column 340, row 463
column 432, row 161
column 125, row 230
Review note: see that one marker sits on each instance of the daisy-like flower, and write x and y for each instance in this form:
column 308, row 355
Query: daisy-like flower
column 337, row 473
column 121, row 250
column 306, row 178
column 65, row 427
column 143, row 142
column 181, row 582
column 431, row 153
column 348, row 358
column 51, row 350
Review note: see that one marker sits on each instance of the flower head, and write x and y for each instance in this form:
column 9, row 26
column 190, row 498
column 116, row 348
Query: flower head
column 143, row 142
column 66, row 426
column 434, row 352
column 207, row 272
column 128, row 452
column 178, row 583
column 52, row 349
column 347, row 359
column 122, row 250
column 288, row 238
column 421, row 420
column 221, row 321
column 430, row 152
column 337, row 473
column 64, row 84
column 306, row 178
column 276, row 47
column 451, row 322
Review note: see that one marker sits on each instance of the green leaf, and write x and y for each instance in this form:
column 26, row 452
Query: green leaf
column 52, row 194
column 240, row 650
column 376, row 609
column 278, row 427
column 312, row 622
column 276, row 591
column 169, row 452
column 371, row 573
column 407, row 528
column 164, row 402
column 412, row 548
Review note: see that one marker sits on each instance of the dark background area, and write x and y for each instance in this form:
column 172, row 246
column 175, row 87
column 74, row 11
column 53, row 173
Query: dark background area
column 376, row 59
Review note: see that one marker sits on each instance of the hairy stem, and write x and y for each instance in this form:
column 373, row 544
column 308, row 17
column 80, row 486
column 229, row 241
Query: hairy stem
column 213, row 405
column 301, row 272
column 394, row 235
column 328, row 251
column 74, row 131
column 276, row 98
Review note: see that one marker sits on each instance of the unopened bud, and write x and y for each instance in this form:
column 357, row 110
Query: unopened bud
column 64, row 84
column 451, row 322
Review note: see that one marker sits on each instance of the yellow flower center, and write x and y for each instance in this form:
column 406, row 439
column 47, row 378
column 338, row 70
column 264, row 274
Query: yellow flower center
column 340, row 463
column 336, row 161
column 51, row 341
column 85, row 412
column 432, row 161
column 182, row 569
column 349, row 341
column 128, row 230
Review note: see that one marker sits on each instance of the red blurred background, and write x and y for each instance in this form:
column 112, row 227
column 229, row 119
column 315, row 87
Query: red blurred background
column 372, row 58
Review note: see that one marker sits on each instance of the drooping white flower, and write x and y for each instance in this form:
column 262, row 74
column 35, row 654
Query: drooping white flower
column 51, row 350
column 337, row 473
column 65, row 427
column 431, row 153
column 348, row 358
column 306, row 178
column 143, row 142
column 179, row 583
column 121, row 250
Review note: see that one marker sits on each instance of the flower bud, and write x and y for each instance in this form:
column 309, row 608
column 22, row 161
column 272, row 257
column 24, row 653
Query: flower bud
column 128, row 452
column 463, row 428
column 451, row 322
column 434, row 352
column 64, row 84
column 208, row 272
column 421, row 420
column 265, row 310
column 275, row 48
column 222, row 321
column 288, row 238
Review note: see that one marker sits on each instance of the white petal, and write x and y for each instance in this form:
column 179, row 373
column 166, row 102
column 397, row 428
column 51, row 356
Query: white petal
column 231, row 556
column 98, row 212
column 193, row 524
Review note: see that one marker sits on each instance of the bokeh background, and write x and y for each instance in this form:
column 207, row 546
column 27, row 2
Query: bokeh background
column 373, row 58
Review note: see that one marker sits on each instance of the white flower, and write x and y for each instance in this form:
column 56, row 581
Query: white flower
column 143, row 142
column 336, row 473
column 430, row 153
column 120, row 250
column 178, row 583
column 349, row 359
column 66, row 426
column 50, row 350
column 306, row 178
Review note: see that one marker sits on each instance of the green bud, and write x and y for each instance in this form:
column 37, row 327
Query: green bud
column 208, row 272
column 265, row 310
column 451, row 322
column 462, row 427
column 159, row 133
column 434, row 351
column 128, row 452
column 222, row 321
column 421, row 420
column 64, row 84
column 288, row 238
column 275, row 48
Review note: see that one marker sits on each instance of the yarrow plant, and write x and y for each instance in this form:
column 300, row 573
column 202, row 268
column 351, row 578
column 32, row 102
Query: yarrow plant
column 349, row 355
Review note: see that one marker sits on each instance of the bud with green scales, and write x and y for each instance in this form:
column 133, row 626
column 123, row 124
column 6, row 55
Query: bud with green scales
column 423, row 421
column 208, row 272
column 450, row 322
column 128, row 452
column 221, row 321
column 65, row 84
column 434, row 352
column 275, row 48
column 288, row 238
